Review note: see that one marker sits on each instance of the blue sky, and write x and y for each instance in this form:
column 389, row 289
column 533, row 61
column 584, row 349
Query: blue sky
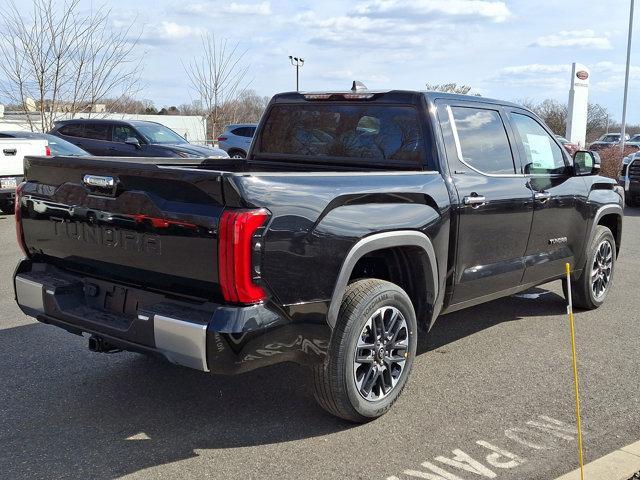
column 505, row 49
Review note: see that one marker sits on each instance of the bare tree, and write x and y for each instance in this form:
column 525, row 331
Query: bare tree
column 449, row 88
column 246, row 108
column 554, row 114
column 217, row 77
column 57, row 59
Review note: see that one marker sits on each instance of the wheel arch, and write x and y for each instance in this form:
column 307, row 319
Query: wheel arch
column 233, row 150
column 396, row 248
column 613, row 221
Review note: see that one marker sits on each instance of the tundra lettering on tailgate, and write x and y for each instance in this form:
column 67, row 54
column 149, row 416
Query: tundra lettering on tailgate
column 108, row 236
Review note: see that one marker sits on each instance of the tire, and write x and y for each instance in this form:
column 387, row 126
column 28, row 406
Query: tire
column 7, row 208
column 631, row 201
column 582, row 290
column 237, row 154
column 336, row 389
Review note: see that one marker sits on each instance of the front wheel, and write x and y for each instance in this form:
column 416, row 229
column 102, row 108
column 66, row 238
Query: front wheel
column 371, row 352
column 591, row 289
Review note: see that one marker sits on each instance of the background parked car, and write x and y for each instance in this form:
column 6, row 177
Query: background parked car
column 606, row 140
column 57, row 146
column 131, row 138
column 236, row 139
column 12, row 152
column 569, row 147
column 630, row 179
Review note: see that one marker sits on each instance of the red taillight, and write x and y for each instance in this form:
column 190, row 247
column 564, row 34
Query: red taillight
column 236, row 246
column 222, row 139
column 18, row 219
column 47, row 151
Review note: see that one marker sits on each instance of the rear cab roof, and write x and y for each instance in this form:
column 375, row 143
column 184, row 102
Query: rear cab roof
column 404, row 96
column 108, row 121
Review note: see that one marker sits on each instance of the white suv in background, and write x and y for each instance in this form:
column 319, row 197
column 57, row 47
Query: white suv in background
column 236, row 139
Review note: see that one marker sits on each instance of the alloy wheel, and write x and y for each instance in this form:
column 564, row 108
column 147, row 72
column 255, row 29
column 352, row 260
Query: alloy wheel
column 381, row 353
column 602, row 269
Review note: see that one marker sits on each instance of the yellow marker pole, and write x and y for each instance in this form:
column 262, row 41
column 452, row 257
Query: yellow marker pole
column 575, row 368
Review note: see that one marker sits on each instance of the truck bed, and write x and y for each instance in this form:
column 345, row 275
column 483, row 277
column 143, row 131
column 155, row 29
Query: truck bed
column 158, row 225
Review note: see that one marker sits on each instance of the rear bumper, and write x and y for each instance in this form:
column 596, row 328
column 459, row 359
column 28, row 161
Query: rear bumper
column 204, row 336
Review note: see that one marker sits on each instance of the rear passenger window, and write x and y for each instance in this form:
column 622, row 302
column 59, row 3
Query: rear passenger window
column 97, row 131
column 483, row 140
column 542, row 153
column 74, row 130
column 244, row 131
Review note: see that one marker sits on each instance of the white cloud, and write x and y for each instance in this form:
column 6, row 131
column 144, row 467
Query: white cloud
column 574, row 38
column 175, row 31
column 232, row 8
column 480, row 9
column 605, row 76
column 262, row 8
column 348, row 75
column 166, row 32
column 608, row 76
column 536, row 76
column 534, row 68
column 400, row 25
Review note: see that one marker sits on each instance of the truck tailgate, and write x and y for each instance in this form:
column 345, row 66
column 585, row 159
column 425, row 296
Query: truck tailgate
column 129, row 220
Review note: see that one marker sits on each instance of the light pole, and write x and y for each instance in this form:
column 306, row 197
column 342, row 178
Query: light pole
column 626, row 80
column 297, row 62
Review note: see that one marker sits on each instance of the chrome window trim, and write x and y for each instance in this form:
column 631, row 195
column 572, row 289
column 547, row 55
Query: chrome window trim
column 456, row 139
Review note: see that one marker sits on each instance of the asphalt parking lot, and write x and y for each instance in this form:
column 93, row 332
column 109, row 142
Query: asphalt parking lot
column 492, row 383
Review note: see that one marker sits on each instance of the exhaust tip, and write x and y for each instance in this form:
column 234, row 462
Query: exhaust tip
column 97, row 344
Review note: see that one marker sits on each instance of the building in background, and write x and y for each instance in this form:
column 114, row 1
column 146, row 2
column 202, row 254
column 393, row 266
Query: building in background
column 191, row 127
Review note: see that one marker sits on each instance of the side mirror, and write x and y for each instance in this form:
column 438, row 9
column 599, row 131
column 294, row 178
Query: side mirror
column 586, row 163
column 132, row 141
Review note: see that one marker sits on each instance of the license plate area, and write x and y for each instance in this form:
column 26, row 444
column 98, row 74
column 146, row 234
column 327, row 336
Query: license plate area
column 117, row 299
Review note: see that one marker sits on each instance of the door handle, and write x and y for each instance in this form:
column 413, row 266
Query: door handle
column 474, row 200
column 542, row 196
column 10, row 151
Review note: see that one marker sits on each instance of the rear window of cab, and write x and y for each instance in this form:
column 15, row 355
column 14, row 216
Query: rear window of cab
column 344, row 133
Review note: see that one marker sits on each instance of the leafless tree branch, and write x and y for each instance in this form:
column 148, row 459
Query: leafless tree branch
column 57, row 59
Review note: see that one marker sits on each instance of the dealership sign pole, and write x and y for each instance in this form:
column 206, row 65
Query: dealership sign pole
column 578, row 103
column 626, row 80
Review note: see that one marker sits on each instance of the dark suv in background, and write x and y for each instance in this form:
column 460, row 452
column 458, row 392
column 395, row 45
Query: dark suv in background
column 130, row 138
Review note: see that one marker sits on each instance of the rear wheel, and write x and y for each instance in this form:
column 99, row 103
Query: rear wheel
column 237, row 154
column 591, row 289
column 371, row 352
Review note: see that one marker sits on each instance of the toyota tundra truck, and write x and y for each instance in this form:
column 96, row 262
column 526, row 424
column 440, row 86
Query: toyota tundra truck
column 356, row 220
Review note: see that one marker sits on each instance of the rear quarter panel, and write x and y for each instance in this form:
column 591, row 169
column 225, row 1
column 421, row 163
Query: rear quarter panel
column 317, row 219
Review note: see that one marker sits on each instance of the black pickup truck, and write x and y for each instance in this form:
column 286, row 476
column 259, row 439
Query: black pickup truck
column 356, row 220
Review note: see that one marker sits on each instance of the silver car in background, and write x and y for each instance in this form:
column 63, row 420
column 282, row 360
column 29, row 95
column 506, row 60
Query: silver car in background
column 236, row 139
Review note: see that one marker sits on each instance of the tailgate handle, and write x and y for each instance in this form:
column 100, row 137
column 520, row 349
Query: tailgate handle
column 100, row 184
column 9, row 151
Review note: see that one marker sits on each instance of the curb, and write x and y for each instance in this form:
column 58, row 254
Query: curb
column 618, row 465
